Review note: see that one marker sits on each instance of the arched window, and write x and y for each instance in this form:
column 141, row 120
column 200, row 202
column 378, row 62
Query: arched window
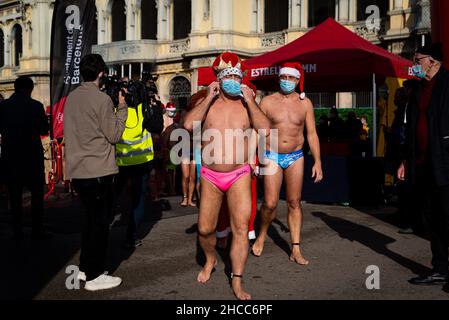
column 320, row 10
column 363, row 4
column 2, row 48
column 276, row 15
column 118, row 20
column 148, row 13
column 180, row 91
column 182, row 17
column 16, row 44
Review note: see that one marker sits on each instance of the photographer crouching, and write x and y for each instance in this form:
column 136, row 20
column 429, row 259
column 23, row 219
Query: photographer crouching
column 135, row 151
column 92, row 127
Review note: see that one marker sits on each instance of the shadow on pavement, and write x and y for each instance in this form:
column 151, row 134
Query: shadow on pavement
column 28, row 266
column 370, row 238
column 120, row 253
column 274, row 234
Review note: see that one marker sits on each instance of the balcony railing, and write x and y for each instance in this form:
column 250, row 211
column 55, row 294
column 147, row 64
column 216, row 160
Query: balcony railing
column 371, row 33
column 273, row 39
column 142, row 50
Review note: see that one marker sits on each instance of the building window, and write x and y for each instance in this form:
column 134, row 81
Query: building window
column 148, row 13
column 323, row 99
column 363, row 4
column 182, row 17
column 320, row 10
column 17, row 44
column 206, row 9
column 118, row 20
column 2, row 48
column 276, row 15
column 180, row 91
column 362, row 100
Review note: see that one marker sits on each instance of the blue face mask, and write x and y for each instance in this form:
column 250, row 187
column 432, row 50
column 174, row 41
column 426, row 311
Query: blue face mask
column 231, row 87
column 419, row 72
column 287, row 86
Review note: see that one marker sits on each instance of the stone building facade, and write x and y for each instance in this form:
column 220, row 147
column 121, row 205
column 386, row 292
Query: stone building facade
column 172, row 38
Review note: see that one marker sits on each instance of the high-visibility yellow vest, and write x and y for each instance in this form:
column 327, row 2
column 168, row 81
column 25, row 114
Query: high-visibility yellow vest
column 136, row 145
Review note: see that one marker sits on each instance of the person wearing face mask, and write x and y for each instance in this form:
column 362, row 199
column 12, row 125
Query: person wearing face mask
column 290, row 113
column 426, row 159
column 228, row 106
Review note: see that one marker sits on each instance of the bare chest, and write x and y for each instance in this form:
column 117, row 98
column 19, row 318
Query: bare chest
column 232, row 116
column 287, row 114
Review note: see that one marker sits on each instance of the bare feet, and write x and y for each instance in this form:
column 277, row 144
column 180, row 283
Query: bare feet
column 192, row 204
column 238, row 289
column 297, row 257
column 205, row 273
column 257, row 247
column 184, row 202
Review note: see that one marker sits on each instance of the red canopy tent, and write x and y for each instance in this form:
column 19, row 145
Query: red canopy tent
column 335, row 59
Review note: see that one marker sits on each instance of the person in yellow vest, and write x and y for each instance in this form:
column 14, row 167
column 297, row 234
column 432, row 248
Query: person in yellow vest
column 134, row 156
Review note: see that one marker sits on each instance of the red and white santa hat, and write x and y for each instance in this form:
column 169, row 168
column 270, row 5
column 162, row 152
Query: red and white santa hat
column 227, row 63
column 296, row 70
column 170, row 107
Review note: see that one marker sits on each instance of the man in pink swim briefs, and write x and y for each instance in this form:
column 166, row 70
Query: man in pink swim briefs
column 228, row 106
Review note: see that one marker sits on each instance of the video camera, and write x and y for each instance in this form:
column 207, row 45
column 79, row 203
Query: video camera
column 150, row 82
column 136, row 91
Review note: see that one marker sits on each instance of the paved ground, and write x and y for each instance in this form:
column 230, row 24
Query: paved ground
column 340, row 243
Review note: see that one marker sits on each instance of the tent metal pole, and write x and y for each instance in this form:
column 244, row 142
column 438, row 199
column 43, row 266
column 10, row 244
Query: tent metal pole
column 374, row 116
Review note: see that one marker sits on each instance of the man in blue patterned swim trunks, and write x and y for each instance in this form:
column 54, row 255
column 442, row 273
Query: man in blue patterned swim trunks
column 290, row 113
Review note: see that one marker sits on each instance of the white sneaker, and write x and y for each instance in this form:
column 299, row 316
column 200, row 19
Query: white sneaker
column 81, row 276
column 103, row 282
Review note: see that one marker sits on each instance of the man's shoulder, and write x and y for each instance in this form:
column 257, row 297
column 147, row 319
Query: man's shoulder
column 93, row 93
column 307, row 102
column 272, row 97
column 36, row 103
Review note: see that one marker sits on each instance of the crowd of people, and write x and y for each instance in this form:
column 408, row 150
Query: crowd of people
column 138, row 143
column 353, row 131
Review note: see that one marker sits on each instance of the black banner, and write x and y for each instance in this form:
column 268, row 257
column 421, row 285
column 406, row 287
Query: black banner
column 71, row 39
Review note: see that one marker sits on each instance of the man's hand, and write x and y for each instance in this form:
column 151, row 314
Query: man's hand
column 213, row 89
column 401, row 172
column 255, row 169
column 317, row 173
column 248, row 94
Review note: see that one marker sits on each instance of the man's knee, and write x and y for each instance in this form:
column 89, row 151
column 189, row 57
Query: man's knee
column 205, row 231
column 240, row 231
column 294, row 204
column 270, row 205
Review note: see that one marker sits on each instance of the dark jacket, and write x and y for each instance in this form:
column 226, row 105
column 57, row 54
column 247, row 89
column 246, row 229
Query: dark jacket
column 438, row 126
column 22, row 122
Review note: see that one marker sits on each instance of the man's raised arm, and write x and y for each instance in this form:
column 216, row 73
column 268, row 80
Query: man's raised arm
column 199, row 111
